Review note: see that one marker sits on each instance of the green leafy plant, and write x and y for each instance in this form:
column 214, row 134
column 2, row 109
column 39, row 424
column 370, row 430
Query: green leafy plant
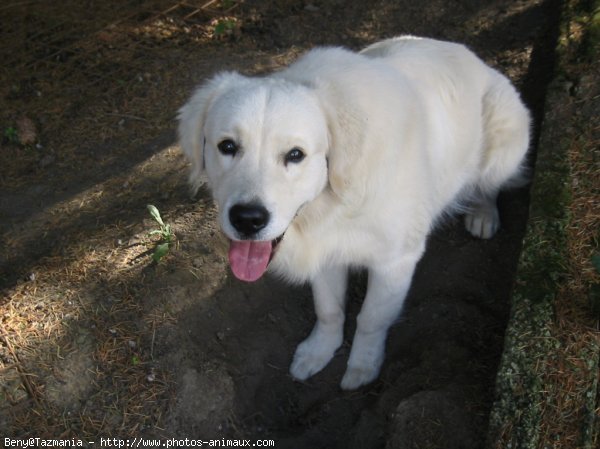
column 165, row 233
column 224, row 26
column 11, row 135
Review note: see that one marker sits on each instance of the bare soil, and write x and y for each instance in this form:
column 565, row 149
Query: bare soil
column 98, row 340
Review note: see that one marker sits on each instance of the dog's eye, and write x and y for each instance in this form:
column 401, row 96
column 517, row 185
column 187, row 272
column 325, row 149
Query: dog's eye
column 295, row 155
column 227, row 147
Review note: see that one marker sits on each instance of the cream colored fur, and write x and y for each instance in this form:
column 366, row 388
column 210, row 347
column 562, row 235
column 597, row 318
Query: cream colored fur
column 393, row 137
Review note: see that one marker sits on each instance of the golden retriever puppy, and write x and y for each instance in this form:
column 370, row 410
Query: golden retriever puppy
column 347, row 159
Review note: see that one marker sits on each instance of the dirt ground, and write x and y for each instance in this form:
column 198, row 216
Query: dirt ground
column 98, row 340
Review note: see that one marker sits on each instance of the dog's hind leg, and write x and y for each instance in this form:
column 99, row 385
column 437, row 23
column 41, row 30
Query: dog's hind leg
column 482, row 219
column 505, row 141
column 314, row 353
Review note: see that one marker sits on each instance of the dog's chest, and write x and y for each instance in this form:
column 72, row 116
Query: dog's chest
column 307, row 249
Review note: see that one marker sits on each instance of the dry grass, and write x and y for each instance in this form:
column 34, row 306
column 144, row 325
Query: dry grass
column 571, row 413
column 77, row 343
column 52, row 320
column 548, row 381
column 570, row 373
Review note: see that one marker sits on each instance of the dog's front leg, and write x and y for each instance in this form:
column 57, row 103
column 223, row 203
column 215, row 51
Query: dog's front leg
column 386, row 292
column 314, row 353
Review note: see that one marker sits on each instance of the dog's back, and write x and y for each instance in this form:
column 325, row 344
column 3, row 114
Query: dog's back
column 459, row 82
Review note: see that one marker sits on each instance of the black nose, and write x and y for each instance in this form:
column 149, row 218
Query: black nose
column 248, row 219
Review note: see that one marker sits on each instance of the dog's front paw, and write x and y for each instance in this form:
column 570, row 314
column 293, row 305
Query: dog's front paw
column 313, row 354
column 483, row 222
column 357, row 376
column 366, row 358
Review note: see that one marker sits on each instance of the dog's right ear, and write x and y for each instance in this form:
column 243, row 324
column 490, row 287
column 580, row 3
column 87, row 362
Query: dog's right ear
column 192, row 117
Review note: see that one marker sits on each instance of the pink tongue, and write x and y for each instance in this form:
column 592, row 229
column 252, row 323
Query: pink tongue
column 249, row 259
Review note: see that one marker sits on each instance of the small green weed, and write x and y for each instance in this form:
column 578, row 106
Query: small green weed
column 11, row 135
column 224, row 26
column 165, row 233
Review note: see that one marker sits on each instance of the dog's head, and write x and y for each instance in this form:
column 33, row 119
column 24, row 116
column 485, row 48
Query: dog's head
column 263, row 145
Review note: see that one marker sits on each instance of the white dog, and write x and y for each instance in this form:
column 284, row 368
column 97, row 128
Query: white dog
column 346, row 160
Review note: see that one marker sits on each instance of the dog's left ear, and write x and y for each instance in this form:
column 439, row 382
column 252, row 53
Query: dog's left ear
column 192, row 117
column 346, row 156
